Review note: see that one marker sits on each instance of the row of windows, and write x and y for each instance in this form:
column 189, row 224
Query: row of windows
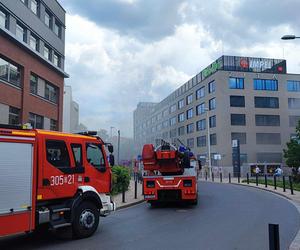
column 264, row 84
column 12, row 74
column 36, row 121
column 48, row 19
column 33, row 40
column 40, row 87
column 236, row 120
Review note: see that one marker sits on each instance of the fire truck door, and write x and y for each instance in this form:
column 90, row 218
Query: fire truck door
column 16, row 166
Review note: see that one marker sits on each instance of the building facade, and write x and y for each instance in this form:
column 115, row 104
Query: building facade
column 32, row 54
column 252, row 100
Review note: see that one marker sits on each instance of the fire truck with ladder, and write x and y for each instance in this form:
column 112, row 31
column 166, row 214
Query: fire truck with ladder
column 53, row 180
column 170, row 173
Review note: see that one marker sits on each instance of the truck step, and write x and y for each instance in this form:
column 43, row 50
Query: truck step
column 63, row 209
column 61, row 225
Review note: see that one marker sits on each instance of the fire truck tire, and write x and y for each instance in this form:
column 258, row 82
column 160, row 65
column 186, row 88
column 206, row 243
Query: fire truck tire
column 195, row 202
column 86, row 220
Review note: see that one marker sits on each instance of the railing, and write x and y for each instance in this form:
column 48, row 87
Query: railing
column 284, row 182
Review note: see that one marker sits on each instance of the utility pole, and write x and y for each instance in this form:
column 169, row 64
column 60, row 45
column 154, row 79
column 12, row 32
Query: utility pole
column 118, row 147
column 208, row 143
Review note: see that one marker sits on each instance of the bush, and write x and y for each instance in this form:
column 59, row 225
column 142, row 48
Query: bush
column 120, row 179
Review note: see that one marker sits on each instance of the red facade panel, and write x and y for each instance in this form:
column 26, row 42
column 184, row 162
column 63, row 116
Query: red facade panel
column 22, row 98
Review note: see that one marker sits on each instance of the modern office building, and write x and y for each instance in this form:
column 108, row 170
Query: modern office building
column 252, row 100
column 32, row 54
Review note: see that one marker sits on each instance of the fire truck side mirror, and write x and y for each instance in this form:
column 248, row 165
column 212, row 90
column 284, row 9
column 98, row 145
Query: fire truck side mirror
column 111, row 160
column 110, row 148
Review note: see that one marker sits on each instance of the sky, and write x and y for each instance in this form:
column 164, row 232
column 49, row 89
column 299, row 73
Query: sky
column 122, row 52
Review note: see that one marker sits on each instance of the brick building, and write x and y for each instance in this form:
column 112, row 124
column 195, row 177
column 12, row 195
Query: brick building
column 32, row 48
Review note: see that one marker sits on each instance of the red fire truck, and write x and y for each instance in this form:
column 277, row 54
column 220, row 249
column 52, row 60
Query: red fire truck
column 53, row 179
column 170, row 174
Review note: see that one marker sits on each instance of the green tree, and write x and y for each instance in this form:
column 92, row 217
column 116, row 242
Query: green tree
column 292, row 153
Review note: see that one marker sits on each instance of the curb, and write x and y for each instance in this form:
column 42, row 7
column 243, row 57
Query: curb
column 295, row 244
column 124, row 205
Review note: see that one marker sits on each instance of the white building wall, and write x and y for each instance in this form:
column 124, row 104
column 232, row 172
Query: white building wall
column 67, row 109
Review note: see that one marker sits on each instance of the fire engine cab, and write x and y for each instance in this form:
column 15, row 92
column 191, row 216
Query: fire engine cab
column 53, row 179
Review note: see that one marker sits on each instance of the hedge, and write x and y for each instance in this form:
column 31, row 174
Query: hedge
column 120, row 179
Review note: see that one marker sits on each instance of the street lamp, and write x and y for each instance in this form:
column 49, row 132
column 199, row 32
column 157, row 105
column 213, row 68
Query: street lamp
column 289, row 37
column 118, row 130
column 208, row 141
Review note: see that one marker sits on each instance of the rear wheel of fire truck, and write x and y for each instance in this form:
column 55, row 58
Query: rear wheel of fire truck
column 194, row 202
column 86, row 220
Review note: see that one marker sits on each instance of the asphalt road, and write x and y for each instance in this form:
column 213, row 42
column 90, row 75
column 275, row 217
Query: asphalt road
column 227, row 217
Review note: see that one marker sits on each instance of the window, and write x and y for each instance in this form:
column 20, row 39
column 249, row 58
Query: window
column 53, row 125
column 211, row 87
column 200, row 93
column 265, row 84
column 173, row 133
column 243, row 158
column 236, row 83
column 173, row 121
column 189, row 113
column 181, row 117
column 57, row 154
column 77, row 154
column 165, row 124
column 200, row 109
column 48, row 19
column 190, row 142
column 293, row 120
column 267, row 120
column 268, row 138
column 213, row 139
column 34, row 6
column 238, row 119
column 165, row 112
column 294, row 103
column 212, row 104
column 201, row 141
column 14, row 116
column 33, row 84
column 10, row 73
column 3, row 20
column 94, row 155
column 266, row 102
column 293, row 86
column 190, row 128
column 36, row 121
column 47, row 53
column 180, row 104
column 212, row 121
column 239, row 136
column 51, row 93
column 237, row 101
column 269, row 157
column 20, row 33
column 56, row 60
column 201, row 125
column 173, row 108
column 181, row 131
column 189, row 99
column 57, row 29
column 34, row 43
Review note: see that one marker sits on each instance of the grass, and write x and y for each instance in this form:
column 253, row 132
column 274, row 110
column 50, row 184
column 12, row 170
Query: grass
column 279, row 183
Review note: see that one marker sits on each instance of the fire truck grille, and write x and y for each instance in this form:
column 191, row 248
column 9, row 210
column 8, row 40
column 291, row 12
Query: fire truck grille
column 169, row 195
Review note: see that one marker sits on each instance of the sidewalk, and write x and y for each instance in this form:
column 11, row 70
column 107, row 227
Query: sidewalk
column 294, row 199
column 129, row 196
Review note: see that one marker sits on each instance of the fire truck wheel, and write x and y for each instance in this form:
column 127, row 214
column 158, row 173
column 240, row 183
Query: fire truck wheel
column 194, row 202
column 86, row 220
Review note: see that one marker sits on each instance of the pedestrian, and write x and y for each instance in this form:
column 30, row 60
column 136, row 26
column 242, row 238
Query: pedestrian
column 257, row 170
column 278, row 172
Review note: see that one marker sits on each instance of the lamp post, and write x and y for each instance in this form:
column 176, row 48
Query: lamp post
column 208, row 142
column 289, row 37
column 118, row 142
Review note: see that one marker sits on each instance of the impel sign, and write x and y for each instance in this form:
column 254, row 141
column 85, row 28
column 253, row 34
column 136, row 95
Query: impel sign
column 260, row 64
